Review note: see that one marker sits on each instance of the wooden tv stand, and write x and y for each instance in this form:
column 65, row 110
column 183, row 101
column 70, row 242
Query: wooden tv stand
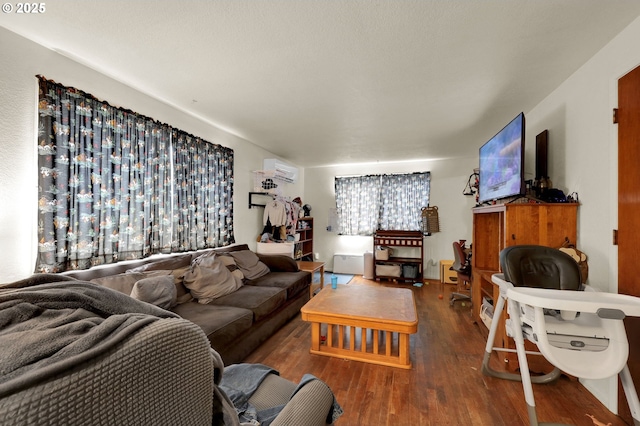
column 502, row 225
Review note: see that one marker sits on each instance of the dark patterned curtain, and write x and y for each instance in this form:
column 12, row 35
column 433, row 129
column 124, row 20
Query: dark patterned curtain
column 204, row 193
column 106, row 187
column 388, row 202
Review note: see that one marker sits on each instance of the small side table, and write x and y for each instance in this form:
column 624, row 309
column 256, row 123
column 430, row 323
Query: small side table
column 313, row 267
column 447, row 275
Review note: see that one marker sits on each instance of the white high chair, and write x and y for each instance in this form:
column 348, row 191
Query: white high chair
column 578, row 332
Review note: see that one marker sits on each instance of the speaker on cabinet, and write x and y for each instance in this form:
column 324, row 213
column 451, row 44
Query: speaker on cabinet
column 541, row 154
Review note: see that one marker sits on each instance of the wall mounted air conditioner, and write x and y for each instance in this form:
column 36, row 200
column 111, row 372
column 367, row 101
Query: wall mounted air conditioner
column 284, row 171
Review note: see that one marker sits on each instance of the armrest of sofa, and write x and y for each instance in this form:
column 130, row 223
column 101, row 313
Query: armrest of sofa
column 310, row 406
column 162, row 374
column 279, row 262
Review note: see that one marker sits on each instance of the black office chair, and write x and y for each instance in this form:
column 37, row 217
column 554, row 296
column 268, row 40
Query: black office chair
column 462, row 266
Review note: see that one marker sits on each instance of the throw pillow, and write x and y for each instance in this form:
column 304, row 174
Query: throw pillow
column 250, row 264
column 231, row 265
column 182, row 293
column 279, row 263
column 208, row 259
column 159, row 291
column 209, row 283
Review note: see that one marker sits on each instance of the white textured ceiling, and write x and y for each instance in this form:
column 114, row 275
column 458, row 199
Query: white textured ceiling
column 338, row 81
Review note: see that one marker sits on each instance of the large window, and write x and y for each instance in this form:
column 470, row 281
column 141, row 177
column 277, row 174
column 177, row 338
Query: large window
column 116, row 185
column 388, row 202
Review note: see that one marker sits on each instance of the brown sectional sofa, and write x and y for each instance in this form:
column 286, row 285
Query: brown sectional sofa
column 236, row 323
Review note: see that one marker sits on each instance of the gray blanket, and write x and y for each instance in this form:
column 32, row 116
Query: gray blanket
column 50, row 323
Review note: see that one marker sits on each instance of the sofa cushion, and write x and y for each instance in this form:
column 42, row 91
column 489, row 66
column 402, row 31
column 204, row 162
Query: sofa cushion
column 249, row 263
column 159, row 291
column 292, row 282
column 260, row 300
column 221, row 324
column 229, row 249
column 120, row 282
column 209, row 283
column 173, row 262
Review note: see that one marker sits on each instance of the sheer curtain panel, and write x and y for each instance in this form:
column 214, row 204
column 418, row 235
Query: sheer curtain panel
column 365, row 204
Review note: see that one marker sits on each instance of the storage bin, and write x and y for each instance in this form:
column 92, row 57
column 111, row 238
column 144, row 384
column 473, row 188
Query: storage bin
column 388, row 270
column 486, row 312
column 486, row 316
column 410, row 271
column 275, row 248
column 383, row 253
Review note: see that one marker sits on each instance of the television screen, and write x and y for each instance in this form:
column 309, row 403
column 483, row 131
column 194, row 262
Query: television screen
column 502, row 163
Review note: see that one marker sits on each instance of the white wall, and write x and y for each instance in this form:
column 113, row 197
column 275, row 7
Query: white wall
column 21, row 61
column 583, row 158
column 448, row 179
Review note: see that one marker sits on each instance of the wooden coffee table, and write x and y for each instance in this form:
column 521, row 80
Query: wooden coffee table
column 363, row 323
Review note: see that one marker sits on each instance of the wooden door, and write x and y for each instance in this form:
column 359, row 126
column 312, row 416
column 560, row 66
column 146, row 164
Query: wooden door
column 629, row 214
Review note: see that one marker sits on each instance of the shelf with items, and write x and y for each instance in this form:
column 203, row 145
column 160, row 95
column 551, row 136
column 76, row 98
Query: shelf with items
column 259, row 199
column 406, row 264
column 499, row 226
column 304, row 239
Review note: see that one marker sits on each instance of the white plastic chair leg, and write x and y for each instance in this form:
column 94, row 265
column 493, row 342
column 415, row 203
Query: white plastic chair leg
column 489, row 348
column 631, row 394
column 523, row 364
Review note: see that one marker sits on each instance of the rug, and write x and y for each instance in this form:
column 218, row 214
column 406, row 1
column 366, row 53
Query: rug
column 342, row 278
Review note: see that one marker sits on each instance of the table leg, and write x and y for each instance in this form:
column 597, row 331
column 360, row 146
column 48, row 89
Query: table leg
column 315, row 336
column 403, row 349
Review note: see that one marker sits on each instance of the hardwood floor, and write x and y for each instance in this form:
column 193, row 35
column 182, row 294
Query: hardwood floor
column 445, row 386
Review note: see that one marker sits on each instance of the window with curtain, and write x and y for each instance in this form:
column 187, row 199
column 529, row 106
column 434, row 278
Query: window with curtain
column 365, row 204
column 115, row 185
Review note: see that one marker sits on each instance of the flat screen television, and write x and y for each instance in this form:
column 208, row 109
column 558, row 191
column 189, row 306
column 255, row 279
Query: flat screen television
column 502, row 163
